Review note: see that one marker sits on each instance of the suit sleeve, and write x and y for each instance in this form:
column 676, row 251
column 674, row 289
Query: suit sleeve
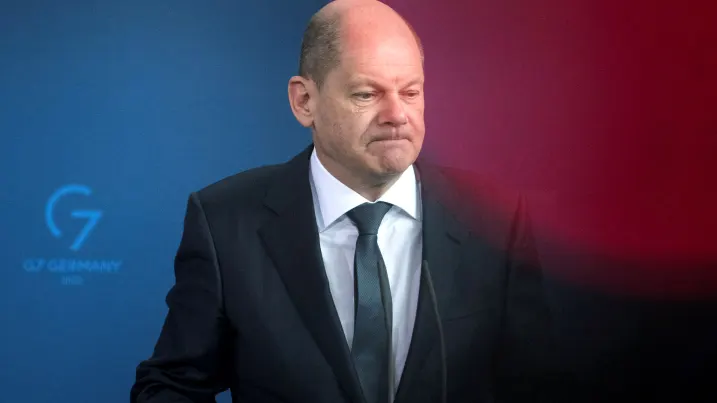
column 524, row 372
column 189, row 362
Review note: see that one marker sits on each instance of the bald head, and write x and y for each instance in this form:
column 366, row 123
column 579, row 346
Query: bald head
column 344, row 25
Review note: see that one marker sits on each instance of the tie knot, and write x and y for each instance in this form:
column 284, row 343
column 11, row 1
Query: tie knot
column 368, row 216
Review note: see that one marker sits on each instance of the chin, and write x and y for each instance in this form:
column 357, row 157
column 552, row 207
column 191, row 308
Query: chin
column 395, row 166
column 390, row 158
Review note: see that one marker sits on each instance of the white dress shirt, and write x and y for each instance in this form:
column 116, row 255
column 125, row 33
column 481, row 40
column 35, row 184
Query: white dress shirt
column 399, row 239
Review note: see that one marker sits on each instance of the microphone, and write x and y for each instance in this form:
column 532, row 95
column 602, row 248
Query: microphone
column 434, row 302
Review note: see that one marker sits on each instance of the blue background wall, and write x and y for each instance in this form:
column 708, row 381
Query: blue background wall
column 137, row 103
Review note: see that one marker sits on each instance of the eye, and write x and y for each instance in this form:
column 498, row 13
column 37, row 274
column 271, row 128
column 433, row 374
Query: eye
column 364, row 96
column 412, row 94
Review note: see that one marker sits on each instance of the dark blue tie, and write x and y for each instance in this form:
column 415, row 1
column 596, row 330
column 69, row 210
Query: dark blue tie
column 372, row 336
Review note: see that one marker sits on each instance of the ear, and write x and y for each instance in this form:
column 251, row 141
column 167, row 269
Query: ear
column 302, row 98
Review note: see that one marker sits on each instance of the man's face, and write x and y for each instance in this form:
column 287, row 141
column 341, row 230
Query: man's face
column 369, row 112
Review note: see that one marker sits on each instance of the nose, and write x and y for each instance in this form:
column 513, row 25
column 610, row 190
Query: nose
column 393, row 111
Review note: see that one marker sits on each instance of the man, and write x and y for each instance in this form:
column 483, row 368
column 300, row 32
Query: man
column 349, row 274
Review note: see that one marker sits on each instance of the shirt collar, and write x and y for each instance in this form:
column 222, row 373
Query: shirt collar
column 334, row 199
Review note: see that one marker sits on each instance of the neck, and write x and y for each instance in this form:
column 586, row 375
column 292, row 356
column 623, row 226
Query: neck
column 373, row 191
column 370, row 187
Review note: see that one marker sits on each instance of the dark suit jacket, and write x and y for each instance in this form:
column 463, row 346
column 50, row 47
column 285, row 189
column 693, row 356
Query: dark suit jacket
column 251, row 309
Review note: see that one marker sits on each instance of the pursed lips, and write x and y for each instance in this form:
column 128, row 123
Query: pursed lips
column 390, row 137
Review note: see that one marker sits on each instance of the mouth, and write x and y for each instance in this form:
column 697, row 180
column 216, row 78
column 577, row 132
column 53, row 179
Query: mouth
column 390, row 138
column 385, row 144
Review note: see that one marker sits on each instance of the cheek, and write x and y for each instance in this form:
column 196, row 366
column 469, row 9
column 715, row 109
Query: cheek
column 345, row 126
column 416, row 111
column 330, row 125
column 356, row 126
column 417, row 122
column 366, row 118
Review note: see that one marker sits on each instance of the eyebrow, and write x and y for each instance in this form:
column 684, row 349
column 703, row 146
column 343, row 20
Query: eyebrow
column 366, row 80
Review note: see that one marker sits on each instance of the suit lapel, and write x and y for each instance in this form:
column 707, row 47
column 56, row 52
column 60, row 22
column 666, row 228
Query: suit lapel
column 291, row 239
column 442, row 235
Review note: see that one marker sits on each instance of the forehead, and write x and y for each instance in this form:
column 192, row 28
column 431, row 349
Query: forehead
column 391, row 59
column 379, row 45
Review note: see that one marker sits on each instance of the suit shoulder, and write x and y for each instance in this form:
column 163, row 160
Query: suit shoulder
column 241, row 189
column 484, row 205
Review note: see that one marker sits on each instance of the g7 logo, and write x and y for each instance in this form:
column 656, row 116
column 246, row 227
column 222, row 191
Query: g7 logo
column 92, row 216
